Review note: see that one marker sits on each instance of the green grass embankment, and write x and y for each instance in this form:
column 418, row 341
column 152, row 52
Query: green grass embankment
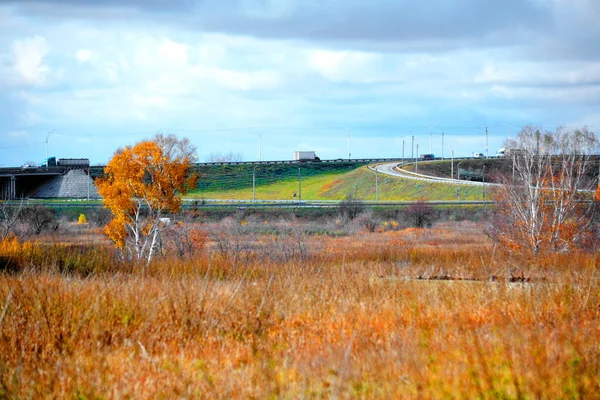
column 330, row 185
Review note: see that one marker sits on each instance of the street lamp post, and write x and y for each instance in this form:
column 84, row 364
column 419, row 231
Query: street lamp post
column 403, row 151
column 417, row 160
column 430, row 142
column 452, row 165
column 48, row 136
column 486, row 142
column 348, row 147
column 484, row 182
column 442, row 145
column 376, row 185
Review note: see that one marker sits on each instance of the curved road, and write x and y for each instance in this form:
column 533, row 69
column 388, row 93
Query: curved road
column 392, row 170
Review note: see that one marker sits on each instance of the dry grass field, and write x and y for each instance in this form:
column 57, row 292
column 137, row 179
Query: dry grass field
column 272, row 310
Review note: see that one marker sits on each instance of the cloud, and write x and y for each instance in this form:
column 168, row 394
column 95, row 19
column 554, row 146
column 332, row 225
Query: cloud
column 27, row 63
column 84, row 55
column 380, row 68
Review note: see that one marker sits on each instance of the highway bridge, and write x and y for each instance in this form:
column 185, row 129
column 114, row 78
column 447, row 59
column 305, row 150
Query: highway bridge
column 55, row 181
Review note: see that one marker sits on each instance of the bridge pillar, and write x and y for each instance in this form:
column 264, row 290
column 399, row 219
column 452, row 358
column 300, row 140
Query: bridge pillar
column 13, row 188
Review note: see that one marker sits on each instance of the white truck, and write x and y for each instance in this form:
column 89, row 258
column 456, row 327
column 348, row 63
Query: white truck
column 305, row 156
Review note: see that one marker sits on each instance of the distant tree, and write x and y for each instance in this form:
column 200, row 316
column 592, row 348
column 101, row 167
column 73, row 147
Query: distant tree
column 539, row 205
column 350, row 207
column 10, row 214
column 227, row 157
column 39, row 218
column 420, row 214
column 141, row 184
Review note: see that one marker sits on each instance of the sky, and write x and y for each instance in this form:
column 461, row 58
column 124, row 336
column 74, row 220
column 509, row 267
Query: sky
column 265, row 78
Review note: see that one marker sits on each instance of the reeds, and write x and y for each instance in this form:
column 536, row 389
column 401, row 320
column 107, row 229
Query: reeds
column 346, row 317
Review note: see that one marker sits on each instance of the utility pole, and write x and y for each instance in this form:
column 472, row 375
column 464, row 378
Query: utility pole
column 484, row 182
column 442, row 145
column 254, row 185
column 417, row 160
column 88, row 180
column 47, row 136
column 486, row 142
column 403, row 155
column 349, row 157
column 299, row 186
column 376, row 185
column 452, row 165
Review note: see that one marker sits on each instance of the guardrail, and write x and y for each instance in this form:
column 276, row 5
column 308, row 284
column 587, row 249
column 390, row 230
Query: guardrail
column 428, row 178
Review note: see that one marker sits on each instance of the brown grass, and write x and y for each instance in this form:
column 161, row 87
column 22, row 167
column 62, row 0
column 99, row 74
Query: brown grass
column 346, row 319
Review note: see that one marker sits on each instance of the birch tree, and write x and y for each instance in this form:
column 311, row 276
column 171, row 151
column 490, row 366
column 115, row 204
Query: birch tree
column 141, row 184
column 541, row 204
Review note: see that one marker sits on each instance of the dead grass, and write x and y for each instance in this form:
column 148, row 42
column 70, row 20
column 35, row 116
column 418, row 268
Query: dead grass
column 345, row 319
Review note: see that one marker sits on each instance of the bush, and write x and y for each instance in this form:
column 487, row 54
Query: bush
column 420, row 214
column 366, row 220
column 350, row 207
column 99, row 217
column 38, row 219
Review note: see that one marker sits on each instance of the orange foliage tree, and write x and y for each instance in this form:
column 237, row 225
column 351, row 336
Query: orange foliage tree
column 141, row 184
column 541, row 206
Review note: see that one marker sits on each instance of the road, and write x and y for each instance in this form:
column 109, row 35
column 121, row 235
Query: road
column 392, row 170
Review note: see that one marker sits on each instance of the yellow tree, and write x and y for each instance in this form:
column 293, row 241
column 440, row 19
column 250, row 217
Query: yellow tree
column 141, row 184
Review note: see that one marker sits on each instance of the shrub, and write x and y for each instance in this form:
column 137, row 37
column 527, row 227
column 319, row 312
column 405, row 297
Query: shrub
column 420, row 214
column 99, row 217
column 350, row 207
column 367, row 221
column 39, row 219
column 82, row 219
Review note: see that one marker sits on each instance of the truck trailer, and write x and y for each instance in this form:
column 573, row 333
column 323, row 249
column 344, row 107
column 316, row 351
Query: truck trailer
column 305, row 156
column 66, row 162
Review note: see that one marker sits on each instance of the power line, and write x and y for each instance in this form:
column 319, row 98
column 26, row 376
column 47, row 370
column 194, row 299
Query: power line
column 21, row 145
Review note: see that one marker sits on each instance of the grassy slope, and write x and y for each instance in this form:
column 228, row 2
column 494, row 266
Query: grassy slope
column 359, row 182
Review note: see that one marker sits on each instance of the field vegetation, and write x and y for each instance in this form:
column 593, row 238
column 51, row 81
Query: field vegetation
column 282, row 307
column 413, row 302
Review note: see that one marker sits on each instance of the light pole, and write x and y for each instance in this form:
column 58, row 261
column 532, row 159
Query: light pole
column 417, row 160
column 348, row 147
column 47, row 136
column 452, row 165
column 442, row 145
column 486, row 142
column 403, row 152
column 458, row 178
column 254, row 185
column 376, row 185
column 484, row 182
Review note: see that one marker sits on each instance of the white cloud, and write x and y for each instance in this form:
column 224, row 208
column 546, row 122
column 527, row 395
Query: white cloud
column 173, row 52
column 84, row 55
column 28, row 56
column 343, row 65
